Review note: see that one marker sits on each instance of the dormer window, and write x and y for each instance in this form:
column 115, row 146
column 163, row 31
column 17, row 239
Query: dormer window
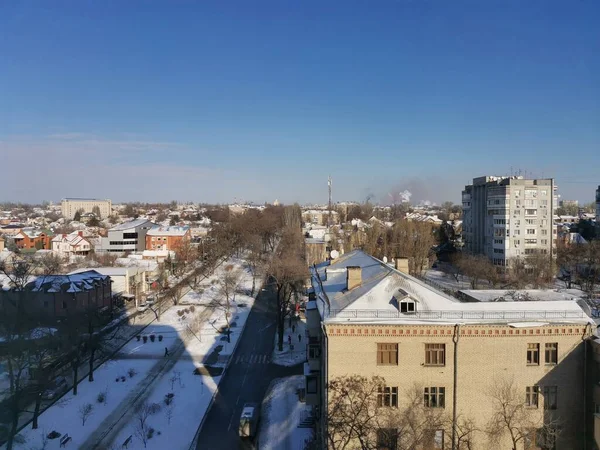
column 408, row 305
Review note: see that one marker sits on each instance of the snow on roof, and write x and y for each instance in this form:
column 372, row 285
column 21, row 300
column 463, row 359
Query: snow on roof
column 131, row 224
column 507, row 295
column 73, row 282
column 168, row 231
column 374, row 299
column 110, row 271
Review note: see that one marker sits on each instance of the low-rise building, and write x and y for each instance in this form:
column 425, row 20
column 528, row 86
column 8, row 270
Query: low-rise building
column 52, row 297
column 366, row 318
column 71, row 244
column 320, row 217
column 130, row 283
column 126, row 237
column 167, row 238
column 1, row 243
column 33, row 239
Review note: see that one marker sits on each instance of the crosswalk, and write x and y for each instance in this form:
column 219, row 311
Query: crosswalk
column 253, row 359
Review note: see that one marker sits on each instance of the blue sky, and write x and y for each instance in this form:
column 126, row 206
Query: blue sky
column 221, row 101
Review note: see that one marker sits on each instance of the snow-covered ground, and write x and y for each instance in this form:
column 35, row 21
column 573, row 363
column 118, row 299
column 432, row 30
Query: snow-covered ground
column 297, row 355
column 113, row 421
column 281, row 414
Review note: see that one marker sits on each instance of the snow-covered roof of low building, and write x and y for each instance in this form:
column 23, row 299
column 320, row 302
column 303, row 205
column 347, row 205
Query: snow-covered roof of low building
column 110, row 271
column 130, row 224
column 168, row 231
column 78, row 282
column 525, row 295
column 374, row 299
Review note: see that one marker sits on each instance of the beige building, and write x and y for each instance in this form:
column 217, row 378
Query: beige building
column 320, row 217
column 368, row 318
column 509, row 217
column 69, row 206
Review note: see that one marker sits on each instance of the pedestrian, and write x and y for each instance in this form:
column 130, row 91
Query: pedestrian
column 289, row 339
column 293, row 328
column 166, row 352
column 299, row 337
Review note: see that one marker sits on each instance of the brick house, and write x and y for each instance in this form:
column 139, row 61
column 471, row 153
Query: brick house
column 167, row 238
column 30, row 238
column 54, row 296
column 365, row 317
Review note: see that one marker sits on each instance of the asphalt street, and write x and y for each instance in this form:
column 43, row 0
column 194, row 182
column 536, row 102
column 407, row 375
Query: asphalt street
column 247, row 378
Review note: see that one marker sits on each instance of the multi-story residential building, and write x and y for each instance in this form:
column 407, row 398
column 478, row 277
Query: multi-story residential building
column 366, row 318
column 51, row 297
column 31, row 238
column 320, row 217
column 71, row 244
column 167, row 238
column 509, row 217
column 69, row 206
column 126, row 237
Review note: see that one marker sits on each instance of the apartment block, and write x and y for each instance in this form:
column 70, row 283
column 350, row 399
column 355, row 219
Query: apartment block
column 69, row 206
column 509, row 217
column 598, row 205
column 126, row 237
column 366, row 317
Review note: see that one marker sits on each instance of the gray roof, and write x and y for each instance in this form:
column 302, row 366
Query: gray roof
column 131, row 224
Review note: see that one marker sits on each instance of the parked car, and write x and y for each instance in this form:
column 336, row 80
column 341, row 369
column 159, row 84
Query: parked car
column 58, row 387
column 150, row 300
column 142, row 307
column 249, row 420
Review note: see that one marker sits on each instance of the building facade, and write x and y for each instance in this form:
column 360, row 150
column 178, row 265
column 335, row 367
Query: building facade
column 54, row 296
column 129, row 283
column 598, row 205
column 69, row 206
column 126, row 237
column 32, row 239
column 71, row 244
column 509, row 217
column 367, row 318
column 167, row 238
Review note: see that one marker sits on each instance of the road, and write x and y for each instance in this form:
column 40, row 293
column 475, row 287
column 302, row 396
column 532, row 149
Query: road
column 247, row 377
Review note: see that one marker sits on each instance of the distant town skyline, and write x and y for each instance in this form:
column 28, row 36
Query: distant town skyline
column 262, row 101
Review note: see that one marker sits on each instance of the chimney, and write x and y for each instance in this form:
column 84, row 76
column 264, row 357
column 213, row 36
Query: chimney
column 401, row 264
column 353, row 277
column 80, row 233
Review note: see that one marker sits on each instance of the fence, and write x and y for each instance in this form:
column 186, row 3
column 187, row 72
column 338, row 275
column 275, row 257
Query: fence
column 453, row 315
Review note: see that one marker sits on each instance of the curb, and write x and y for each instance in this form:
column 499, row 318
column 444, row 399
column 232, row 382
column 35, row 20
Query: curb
column 194, row 442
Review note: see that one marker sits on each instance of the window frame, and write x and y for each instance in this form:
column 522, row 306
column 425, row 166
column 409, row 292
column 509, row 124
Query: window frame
column 387, row 397
column 550, row 393
column 437, row 352
column 533, row 349
column 387, row 438
column 434, row 397
column 532, row 397
column 551, row 349
column 382, row 351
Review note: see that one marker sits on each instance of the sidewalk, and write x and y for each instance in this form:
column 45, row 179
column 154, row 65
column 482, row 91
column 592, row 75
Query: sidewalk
column 285, row 422
column 296, row 353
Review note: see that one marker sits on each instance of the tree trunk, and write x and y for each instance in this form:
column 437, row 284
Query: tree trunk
column 280, row 328
column 75, row 366
column 92, row 355
column 36, row 411
column 14, row 421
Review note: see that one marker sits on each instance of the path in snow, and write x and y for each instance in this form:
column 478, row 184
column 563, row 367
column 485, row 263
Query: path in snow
column 112, row 425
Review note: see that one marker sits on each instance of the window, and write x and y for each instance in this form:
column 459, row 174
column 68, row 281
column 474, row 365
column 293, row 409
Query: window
column 530, row 230
column 544, row 242
column 434, row 397
column 533, row 354
column 530, row 241
column 499, row 250
column 435, row 354
column 531, row 212
column 552, row 353
column 530, row 221
column 64, row 305
column 311, row 385
column 314, row 351
column 407, row 306
column 550, row 397
column 387, row 396
column 387, row 354
column 498, row 241
column 531, row 396
column 130, row 235
column 387, row 439
column 530, row 193
column 434, row 439
column 516, row 232
column 544, row 232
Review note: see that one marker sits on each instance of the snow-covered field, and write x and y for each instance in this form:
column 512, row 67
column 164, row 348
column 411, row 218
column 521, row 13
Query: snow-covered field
column 282, row 412
column 114, row 420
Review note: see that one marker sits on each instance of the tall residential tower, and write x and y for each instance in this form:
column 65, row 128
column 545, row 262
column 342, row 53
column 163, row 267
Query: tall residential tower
column 509, row 217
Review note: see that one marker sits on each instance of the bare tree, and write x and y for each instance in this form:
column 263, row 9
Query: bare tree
column 228, row 286
column 478, row 268
column 352, row 415
column 169, row 412
column 85, row 411
column 514, row 419
column 141, row 422
column 413, row 240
